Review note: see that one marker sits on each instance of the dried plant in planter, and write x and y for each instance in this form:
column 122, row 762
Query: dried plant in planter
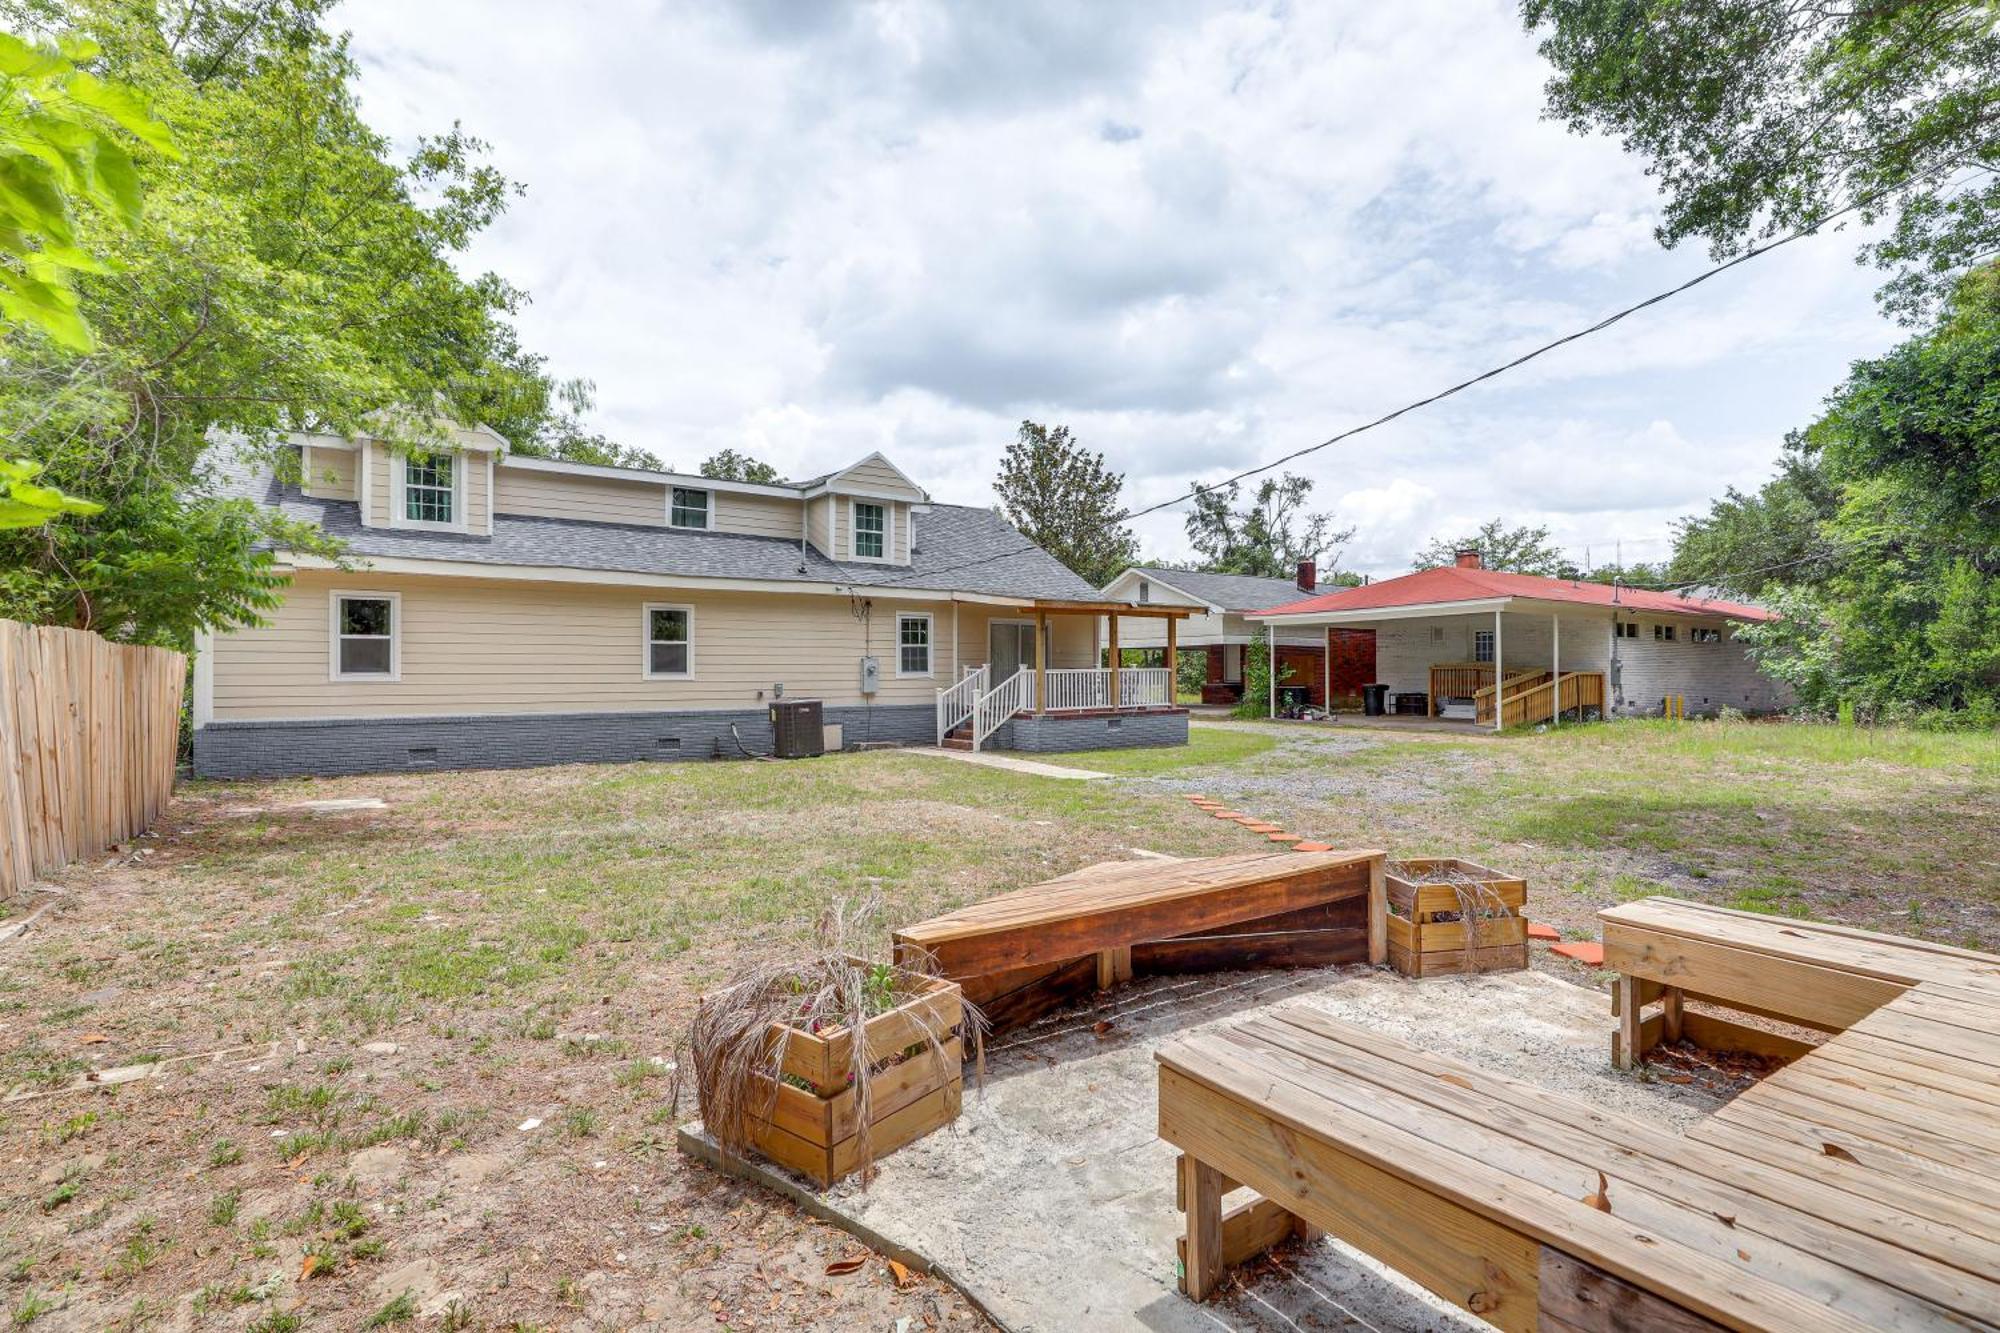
column 824, row 1062
column 1449, row 915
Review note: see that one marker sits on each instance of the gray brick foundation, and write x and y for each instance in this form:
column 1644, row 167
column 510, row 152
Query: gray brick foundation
column 1050, row 733
column 303, row 746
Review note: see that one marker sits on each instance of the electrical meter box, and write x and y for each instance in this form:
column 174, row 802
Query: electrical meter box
column 871, row 675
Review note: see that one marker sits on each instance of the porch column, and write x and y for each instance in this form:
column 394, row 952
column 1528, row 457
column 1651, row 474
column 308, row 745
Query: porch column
column 1173, row 659
column 1326, row 670
column 1041, row 661
column 1499, row 676
column 1556, row 666
column 1114, row 658
column 1271, row 684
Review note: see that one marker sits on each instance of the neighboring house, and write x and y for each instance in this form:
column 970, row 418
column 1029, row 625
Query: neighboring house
column 1441, row 638
column 493, row 610
column 1221, row 630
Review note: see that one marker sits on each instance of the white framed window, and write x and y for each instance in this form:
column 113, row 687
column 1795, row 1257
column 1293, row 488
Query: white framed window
column 868, row 529
column 1627, row 629
column 913, row 645
column 365, row 630
column 687, row 507
column 1701, row 635
column 427, row 491
column 1437, row 633
column 1145, row 591
column 1663, row 633
column 1482, row 645
column 669, row 642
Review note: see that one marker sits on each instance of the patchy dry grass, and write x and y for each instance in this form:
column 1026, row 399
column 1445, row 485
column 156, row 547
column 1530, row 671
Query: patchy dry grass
column 396, row 993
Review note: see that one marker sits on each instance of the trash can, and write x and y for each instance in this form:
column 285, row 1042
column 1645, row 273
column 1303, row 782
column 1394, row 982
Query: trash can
column 1374, row 700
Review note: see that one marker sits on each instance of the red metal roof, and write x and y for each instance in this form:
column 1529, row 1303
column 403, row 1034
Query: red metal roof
column 1455, row 584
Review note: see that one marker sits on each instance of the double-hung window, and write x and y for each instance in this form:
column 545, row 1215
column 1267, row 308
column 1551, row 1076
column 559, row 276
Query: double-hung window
column 1663, row 633
column 1482, row 645
column 688, row 508
column 871, row 531
column 669, row 642
column 365, row 636
column 913, row 645
column 429, row 495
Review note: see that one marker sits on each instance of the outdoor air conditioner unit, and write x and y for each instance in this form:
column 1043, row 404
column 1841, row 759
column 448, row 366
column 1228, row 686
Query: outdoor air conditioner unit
column 797, row 729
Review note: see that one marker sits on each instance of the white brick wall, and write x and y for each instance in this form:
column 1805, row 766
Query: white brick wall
column 1709, row 676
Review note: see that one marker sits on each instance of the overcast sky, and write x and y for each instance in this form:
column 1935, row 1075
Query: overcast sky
column 1202, row 235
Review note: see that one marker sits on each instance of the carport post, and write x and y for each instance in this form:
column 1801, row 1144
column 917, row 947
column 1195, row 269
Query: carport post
column 1271, row 683
column 1499, row 676
column 1556, row 666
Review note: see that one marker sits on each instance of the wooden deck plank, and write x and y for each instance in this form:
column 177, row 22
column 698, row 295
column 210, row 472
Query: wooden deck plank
column 1804, row 992
column 1553, row 1140
column 1277, row 1139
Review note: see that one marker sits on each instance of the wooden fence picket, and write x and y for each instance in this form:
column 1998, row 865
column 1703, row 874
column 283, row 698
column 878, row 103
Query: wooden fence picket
column 89, row 733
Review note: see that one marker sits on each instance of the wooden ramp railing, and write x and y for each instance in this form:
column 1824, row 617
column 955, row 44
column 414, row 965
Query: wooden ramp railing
column 1575, row 690
column 1482, row 700
column 89, row 732
column 1458, row 680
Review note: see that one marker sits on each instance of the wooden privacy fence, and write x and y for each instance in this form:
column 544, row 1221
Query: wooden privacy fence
column 88, row 737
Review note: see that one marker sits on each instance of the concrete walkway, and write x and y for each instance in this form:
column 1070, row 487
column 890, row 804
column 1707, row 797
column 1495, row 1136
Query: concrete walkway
column 989, row 760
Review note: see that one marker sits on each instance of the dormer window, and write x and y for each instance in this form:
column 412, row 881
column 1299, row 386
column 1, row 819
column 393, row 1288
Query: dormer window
column 687, row 508
column 428, row 493
column 871, row 531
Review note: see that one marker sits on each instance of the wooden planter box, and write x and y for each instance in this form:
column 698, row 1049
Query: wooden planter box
column 1420, row 945
column 817, row 1132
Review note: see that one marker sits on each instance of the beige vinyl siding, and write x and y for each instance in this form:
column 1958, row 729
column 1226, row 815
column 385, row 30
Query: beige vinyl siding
column 843, row 528
column 879, row 478
column 1072, row 639
column 598, row 499
column 492, row 646
column 478, row 491
column 1203, row 630
column 905, row 531
column 759, row 515
column 380, row 459
column 328, row 474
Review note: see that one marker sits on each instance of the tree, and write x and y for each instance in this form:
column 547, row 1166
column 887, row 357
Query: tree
column 24, row 504
column 1065, row 500
column 60, row 150
column 1269, row 536
column 732, row 466
column 288, row 273
column 1762, row 118
column 1522, row 550
column 1891, row 501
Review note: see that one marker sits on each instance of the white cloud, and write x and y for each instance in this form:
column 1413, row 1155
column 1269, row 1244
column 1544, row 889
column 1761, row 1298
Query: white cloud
column 1203, row 235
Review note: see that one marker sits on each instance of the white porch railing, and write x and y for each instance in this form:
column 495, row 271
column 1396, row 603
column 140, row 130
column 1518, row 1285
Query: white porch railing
column 955, row 705
column 1075, row 688
column 1014, row 695
column 1145, row 687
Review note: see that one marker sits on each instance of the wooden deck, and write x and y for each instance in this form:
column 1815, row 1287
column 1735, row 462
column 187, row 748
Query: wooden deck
column 1853, row 1189
column 1021, row 953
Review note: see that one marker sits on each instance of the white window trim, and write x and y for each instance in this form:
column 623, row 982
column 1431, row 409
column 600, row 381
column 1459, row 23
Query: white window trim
column 646, row 671
column 333, row 636
column 930, row 644
column 707, row 508
column 1476, row 635
column 399, row 475
column 888, row 509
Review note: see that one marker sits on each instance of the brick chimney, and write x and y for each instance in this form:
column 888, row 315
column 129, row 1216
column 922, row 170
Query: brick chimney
column 1469, row 559
column 1308, row 576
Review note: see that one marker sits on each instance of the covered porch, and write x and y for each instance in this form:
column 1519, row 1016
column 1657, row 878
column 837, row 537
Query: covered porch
column 1044, row 683
column 1493, row 664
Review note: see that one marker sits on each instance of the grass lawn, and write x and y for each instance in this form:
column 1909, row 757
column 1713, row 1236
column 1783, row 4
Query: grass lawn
column 447, row 1027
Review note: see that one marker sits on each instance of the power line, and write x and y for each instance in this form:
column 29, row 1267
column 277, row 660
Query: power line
column 1715, row 271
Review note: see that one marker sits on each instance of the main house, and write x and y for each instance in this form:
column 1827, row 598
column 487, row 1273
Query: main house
column 491, row 609
column 1505, row 649
column 1220, row 629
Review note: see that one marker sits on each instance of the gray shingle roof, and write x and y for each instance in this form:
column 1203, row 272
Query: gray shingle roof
column 1231, row 592
column 958, row 548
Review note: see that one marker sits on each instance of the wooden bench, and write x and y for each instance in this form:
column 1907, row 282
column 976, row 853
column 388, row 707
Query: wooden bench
column 1532, row 1210
column 1020, row 954
column 1809, row 974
